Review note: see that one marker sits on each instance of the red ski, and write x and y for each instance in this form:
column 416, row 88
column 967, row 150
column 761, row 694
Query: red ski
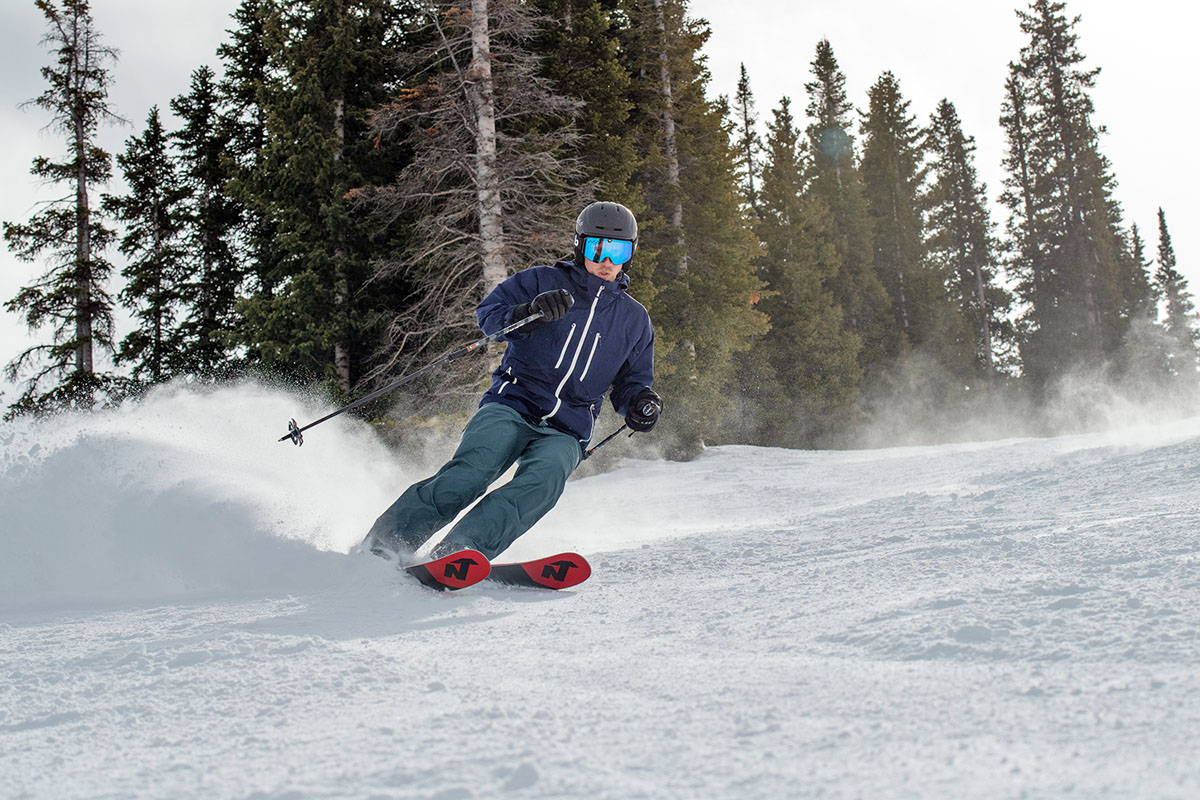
column 555, row 572
column 455, row 571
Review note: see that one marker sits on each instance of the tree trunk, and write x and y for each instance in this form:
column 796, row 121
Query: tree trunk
column 670, row 149
column 748, row 133
column 898, row 255
column 1029, row 246
column 985, row 326
column 341, row 347
column 480, row 90
column 156, row 346
column 83, row 247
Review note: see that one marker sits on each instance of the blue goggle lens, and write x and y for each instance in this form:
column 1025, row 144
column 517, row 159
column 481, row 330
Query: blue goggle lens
column 619, row 251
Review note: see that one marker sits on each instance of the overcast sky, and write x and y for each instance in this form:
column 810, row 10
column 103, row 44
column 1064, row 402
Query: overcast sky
column 936, row 48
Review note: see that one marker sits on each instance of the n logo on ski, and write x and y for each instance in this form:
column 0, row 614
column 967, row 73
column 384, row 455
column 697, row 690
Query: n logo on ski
column 457, row 569
column 558, row 570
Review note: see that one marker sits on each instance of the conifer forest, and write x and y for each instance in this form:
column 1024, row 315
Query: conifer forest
column 327, row 209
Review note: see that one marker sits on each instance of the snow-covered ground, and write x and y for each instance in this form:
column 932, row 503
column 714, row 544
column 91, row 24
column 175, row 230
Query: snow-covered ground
column 179, row 618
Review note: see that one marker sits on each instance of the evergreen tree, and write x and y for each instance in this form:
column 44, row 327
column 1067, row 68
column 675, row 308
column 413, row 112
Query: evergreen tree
column 694, row 269
column 577, row 45
column 152, row 214
column 70, row 296
column 1061, row 189
column 892, row 175
column 962, row 245
column 210, row 290
column 1026, row 219
column 835, row 181
column 804, row 371
column 333, row 63
column 747, row 144
column 1180, row 318
column 1147, row 358
column 250, row 59
column 1137, row 289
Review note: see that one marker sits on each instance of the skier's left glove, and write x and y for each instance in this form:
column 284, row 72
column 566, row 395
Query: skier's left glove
column 644, row 410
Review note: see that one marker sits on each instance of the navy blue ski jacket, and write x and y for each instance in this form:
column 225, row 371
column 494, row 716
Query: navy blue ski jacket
column 557, row 372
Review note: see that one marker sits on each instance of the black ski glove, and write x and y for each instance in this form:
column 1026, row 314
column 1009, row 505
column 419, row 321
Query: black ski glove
column 644, row 410
column 553, row 305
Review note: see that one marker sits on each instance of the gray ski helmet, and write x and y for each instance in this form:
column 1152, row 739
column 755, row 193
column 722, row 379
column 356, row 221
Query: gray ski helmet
column 608, row 221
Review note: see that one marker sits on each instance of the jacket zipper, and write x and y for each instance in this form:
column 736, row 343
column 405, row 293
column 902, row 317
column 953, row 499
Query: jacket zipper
column 592, row 429
column 567, row 343
column 591, row 355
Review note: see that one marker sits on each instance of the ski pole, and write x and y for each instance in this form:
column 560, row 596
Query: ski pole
column 650, row 409
column 607, row 439
column 295, row 432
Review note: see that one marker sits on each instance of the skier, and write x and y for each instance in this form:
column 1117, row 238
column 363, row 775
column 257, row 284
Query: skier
column 540, row 411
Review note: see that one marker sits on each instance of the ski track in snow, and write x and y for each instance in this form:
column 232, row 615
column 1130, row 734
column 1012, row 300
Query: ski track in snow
column 1008, row 619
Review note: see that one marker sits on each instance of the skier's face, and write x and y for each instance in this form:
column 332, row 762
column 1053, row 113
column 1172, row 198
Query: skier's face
column 609, row 254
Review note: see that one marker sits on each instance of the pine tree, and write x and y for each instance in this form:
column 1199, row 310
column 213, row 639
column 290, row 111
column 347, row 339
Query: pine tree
column 804, row 371
column 747, row 144
column 577, row 45
column 1061, row 189
column 694, row 268
column 250, row 60
column 834, row 180
column 962, row 244
column 152, row 215
column 892, row 176
column 210, row 290
column 70, row 296
column 333, row 64
column 1139, row 287
column 1180, row 318
column 1147, row 358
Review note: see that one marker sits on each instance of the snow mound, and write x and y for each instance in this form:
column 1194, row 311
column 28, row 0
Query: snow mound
column 187, row 492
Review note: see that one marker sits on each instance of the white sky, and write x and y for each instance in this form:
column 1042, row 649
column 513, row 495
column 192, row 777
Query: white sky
column 936, row 48
column 960, row 50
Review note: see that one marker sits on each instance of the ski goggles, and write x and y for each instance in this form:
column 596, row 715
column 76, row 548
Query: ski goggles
column 618, row 251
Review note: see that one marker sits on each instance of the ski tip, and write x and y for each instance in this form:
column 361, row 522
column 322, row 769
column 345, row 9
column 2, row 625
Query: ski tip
column 457, row 570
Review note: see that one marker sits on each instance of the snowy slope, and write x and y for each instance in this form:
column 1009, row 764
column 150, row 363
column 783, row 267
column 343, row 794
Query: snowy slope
column 178, row 618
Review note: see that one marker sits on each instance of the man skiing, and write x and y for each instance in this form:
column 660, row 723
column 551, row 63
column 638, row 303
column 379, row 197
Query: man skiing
column 540, row 411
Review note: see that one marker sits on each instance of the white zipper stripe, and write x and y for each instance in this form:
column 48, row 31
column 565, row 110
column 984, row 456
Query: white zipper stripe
column 570, row 333
column 575, row 359
column 591, row 355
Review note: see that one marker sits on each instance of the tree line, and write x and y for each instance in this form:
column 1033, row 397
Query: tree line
column 332, row 205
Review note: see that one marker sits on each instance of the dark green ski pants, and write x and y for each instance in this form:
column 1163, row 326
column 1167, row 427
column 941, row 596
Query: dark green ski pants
column 496, row 438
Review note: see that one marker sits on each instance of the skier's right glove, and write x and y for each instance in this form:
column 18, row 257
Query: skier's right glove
column 553, row 305
column 644, row 410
